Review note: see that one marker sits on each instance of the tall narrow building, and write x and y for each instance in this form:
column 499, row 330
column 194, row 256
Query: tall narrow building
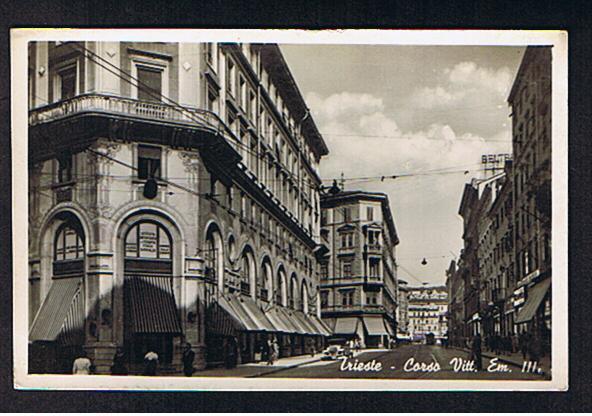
column 359, row 275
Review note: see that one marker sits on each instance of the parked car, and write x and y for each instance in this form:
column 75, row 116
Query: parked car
column 335, row 351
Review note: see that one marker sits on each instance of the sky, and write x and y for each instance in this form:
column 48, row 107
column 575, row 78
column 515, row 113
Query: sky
column 430, row 111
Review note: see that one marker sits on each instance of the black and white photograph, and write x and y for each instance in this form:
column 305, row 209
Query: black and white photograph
column 288, row 209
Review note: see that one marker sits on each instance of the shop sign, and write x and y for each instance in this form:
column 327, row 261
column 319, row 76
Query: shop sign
column 529, row 278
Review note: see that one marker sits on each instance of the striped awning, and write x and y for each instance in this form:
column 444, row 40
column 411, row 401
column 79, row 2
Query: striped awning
column 248, row 321
column 322, row 329
column 256, row 314
column 152, row 306
column 222, row 319
column 535, row 294
column 61, row 316
column 389, row 328
column 295, row 325
column 346, row 326
column 279, row 321
column 307, row 322
column 375, row 325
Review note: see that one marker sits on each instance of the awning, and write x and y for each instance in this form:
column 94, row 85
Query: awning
column 375, row 325
column 306, row 322
column 256, row 314
column 222, row 320
column 279, row 321
column 389, row 328
column 295, row 323
column 322, row 329
column 247, row 323
column 536, row 294
column 61, row 316
column 346, row 326
column 152, row 306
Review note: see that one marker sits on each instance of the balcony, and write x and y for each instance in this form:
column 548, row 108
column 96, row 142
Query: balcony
column 264, row 294
column 99, row 103
column 373, row 280
column 353, row 308
column 374, row 248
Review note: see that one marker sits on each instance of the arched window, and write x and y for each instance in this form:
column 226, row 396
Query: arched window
column 68, row 244
column 245, row 275
column 293, row 292
column 148, row 240
column 281, row 287
column 214, row 256
column 68, row 253
column 148, row 247
column 264, row 280
column 303, row 306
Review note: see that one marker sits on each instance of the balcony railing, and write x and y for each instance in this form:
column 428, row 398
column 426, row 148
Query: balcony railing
column 374, row 248
column 125, row 106
column 357, row 307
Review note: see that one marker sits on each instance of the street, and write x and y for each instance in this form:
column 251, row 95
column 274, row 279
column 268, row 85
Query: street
column 397, row 364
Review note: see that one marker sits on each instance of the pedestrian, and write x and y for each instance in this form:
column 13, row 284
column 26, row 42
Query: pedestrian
column 231, row 353
column 276, row 349
column 270, row 355
column 82, row 365
column 311, row 347
column 476, row 351
column 188, row 357
column 534, row 350
column 523, row 344
column 150, row 363
column 357, row 346
column 514, row 342
column 119, row 367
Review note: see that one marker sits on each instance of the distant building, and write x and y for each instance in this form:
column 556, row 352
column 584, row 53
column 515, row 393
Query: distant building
column 403, row 309
column 359, row 276
column 428, row 312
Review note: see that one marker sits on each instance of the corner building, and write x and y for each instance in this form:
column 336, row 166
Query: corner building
column 359, row 275
column 173, row 200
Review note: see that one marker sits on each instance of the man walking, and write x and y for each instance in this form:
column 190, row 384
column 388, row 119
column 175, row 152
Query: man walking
column 476, row 351
column 188, row 357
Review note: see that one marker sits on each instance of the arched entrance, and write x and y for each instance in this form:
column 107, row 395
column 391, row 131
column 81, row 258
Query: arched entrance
column 58, row 331
column 151, row 319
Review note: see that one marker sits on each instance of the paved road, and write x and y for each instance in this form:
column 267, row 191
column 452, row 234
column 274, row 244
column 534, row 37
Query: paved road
column 394, row 362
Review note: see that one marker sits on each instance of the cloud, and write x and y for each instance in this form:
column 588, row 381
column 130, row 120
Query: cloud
column 366, row 141
column 466, row 83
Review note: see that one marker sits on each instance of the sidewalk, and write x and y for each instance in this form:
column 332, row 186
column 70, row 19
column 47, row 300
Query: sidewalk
column 261, row 368
column 514, row 359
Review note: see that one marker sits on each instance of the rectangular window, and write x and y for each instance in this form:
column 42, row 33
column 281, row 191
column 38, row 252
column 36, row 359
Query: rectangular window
column 324, row 271
column 370, row 213
column 346, row 268
column 65, row 167
column 149, row 162
column 230, row 78
column 149, row 83
column 347, row 298
column 68, row 82
column 346, row 214
column 324, row 299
